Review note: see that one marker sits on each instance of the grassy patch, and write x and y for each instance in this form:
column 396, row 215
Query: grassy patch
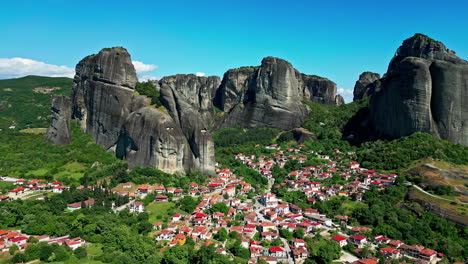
column 161, row 211
column 350, row 206
column 456, row 212
column 34, row 130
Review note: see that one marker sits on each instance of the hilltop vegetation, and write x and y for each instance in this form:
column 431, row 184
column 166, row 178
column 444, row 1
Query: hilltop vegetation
column 25, row 102
column 27, row 155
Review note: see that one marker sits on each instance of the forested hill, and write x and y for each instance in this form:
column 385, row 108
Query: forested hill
column 25, row 102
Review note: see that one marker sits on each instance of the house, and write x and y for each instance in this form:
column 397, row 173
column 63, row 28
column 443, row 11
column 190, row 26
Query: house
column 267, row 226
column 176, row 217
column 340, row 240
column 19, row 240
column 381, row 240
column 59, row 189
column 278, row 252
column 229, row 191
column 300, row 253
column 396, row 243
column 144, row 188
column 221, row 251
column 178, row 192
column 137, row 207
column 75, row 243
column 269, row 200
column 427, row 254
column 269, row 236
column 298, row 242
column 359, row 241
column 75, row 206
column 160, row 189
column 390, row 252
column 180, row 238
column 161, row 198
column 164, row 235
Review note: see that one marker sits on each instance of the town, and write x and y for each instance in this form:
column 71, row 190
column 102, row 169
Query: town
column 271, row 229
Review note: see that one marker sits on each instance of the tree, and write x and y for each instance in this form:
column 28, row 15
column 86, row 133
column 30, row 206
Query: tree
column 80, row 253
column 299, row 233
column 219, row 207
column 285, row 233
column 13, row 248
column 221, row 235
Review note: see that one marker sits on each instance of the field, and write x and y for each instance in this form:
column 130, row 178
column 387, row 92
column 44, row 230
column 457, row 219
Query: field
column 455, row 212
column 25, row 102
column 443, row 173
column 161, row 211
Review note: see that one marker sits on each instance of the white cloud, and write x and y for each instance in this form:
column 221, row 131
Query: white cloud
column 345, row 91
column 144, row 78
column 141, row 67
column 200, row 74
column 19, row 67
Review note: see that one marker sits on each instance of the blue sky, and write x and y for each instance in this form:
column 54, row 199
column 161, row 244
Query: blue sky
column 334, row 39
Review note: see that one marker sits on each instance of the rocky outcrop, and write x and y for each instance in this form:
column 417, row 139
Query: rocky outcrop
column 366, row 86
column 188, row 99
column 177, row 136
column 272, row 98
column 424, row 90
column 319, row 90
column 302, row 135
column 119, row 121
column 234, row 87
column 271, row 95
column 198, row 92
column 59, row 131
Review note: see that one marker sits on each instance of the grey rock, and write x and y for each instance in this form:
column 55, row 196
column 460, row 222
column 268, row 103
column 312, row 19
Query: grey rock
column 233, row 88
column 119, row 121
column 188, row 99
column 150, row 138
column 273, row 98
column 197, row 91
column 271, row 95
column 339, row 100
column 424, row 90
column 59, row 131
column 367, row 84
column 302, row 135
column 319, row 90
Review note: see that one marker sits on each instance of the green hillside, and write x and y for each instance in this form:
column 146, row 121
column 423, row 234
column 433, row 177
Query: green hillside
column 25, row 102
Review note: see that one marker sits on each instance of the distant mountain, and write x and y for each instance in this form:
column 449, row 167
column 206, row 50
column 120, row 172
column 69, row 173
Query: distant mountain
column 25, row 102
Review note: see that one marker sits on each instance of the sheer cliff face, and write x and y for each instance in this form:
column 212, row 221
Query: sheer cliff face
column 424, row 90
column 271, row 95
column 188, row 99
column 59, row 130
column 104, row 103
column 366, row 86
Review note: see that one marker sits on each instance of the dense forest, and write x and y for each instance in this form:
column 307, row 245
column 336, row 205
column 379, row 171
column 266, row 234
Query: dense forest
column 25, row 102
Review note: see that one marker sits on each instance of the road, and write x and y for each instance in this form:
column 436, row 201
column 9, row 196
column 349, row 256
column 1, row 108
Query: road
column 432, row 195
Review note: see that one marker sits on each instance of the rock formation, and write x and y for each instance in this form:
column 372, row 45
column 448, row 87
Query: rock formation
column 425, row 90
column 271, row 95
column 105, row 105
column 177, row 136
column 366, row 85
column 319, row 90
column 302, row 135
column 59, row 131
column 188, row 99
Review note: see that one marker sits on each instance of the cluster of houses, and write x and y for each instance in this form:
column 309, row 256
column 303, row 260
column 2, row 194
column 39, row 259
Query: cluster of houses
column 262, row 221
column 13, row 237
